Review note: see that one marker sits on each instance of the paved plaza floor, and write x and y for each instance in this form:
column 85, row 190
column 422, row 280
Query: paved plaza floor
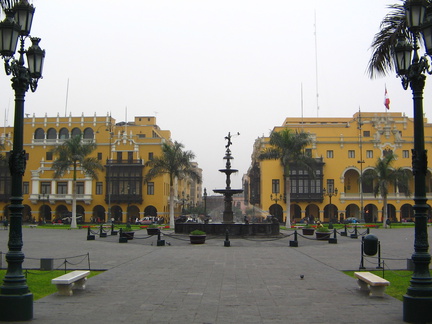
column 255, row 280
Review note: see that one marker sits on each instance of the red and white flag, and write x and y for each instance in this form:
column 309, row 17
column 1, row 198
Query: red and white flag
column 386, row 99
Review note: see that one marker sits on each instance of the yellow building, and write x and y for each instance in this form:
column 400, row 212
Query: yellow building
column 345, row 148
column 122, row 148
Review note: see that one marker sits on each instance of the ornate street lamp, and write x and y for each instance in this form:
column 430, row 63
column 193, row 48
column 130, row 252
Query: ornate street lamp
column 417, row 302
column 16, row 301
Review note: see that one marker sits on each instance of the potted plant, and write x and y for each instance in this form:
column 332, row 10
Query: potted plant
column 322, row 233
column 127, row 232
column 152, row 229
column 308, row 230
column 197, row 237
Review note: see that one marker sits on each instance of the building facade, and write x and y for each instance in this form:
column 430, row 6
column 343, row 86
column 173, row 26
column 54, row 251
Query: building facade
column 119, row 193
column 345, row 148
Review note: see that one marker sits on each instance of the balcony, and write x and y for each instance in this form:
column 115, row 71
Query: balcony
column 54, row 198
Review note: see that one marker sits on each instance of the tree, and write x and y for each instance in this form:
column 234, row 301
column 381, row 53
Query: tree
column 288, row 147
column 382, row 176
column 74, row 153
column 177, row 164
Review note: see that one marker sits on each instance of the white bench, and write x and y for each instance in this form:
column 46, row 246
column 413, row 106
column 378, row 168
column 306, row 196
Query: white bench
column 374, row 284
column 75, row 279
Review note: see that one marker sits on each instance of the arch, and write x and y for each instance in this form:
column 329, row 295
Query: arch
column 371, row 213
column 391, row 213
column 39, row 134
column 296, row 212
column 132, row 213
column 98, row 214
column 51, row 134
column 61, row 211
column 76, row 131
column 407, row 213
column 330, row 213
column 64, row 134
column 352, row 210
column 45, row 213
column 351, row 181
column 88, row 133
column 150, row 211
column 312, row 212
column 6, row 211
column 80, row 211
column 26, row 214
column 367, row 186
column 277, row 211
column 117, row 214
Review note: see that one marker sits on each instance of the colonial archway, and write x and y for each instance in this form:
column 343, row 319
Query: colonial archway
column 277, row 211
column 116, row 214
column 150, row 211
column 312, row 212
column 61, row 211
column 352, row 210
column 371, row 213
column 391, row 213
column 45, row 213
column 132, row 213
column 27, row 215
column 407, row 213
column 98, row 214
column 330, row 213
column 296, row 213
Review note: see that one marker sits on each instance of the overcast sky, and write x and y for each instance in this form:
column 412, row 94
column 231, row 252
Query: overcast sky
column 208, row 67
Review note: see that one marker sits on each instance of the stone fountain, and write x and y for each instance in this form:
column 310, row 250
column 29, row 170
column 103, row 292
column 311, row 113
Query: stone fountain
column 228, row 225
column 228, row 217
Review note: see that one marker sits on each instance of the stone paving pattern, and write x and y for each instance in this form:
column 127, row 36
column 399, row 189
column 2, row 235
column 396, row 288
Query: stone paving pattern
column 255, row 280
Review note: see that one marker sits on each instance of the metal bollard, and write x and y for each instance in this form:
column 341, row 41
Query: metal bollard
column 121, row 238
column 90, row 237
column 333, row 240
column 295, row 242
column 355, row 235
column 101, row 232
column 227, row 242
column 159, row 241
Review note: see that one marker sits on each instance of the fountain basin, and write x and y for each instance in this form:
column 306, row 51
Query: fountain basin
column 261, row 229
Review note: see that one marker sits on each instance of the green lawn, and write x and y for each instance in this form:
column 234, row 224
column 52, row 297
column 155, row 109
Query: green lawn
column 399, row 281
column 39, row 282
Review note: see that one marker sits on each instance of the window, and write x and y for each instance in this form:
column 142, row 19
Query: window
column 351, row 154
column 150, row 188
column 308, row 152
column 119, row 156
column 330, row 186
column 330, row 154
column 25, row 188
column 45, row 187
column 405, row 154
column 369, row 154
column 150, row 156
column 130, row 157
column 366, row 133
column 62, row 188
column 48, row 156
column 99, row 188
column 80, row 188
column 99, row 156
column 275, row 186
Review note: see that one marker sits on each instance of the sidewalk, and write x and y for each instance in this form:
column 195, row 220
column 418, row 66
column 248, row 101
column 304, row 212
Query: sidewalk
column 253, row 281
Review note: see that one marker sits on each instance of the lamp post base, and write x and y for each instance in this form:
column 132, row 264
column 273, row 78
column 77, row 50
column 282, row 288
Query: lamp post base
column 14, row 308
column 417, row 309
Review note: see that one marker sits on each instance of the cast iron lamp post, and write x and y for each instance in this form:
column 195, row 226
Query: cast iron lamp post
column 331, row 192
column 16, row 301
column 205, row 202
column 417, row 302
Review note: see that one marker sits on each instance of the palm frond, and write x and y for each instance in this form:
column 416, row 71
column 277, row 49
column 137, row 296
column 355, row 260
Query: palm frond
column 392, row 26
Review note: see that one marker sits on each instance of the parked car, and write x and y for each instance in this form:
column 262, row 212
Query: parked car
column 147, row 221
column 68, row 219
column 351, row 220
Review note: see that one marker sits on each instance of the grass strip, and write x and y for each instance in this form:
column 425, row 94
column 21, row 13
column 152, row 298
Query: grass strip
column 399, row 281
column 39, row 282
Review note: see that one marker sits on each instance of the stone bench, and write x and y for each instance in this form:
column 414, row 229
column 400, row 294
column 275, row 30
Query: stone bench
column 75, row 279
column 374, row 284
column 32, row 226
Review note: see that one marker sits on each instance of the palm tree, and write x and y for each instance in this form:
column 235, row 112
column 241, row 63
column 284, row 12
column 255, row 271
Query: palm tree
column 177, row 164
column 288, row 147
column 382, row 176
column 73, row 153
